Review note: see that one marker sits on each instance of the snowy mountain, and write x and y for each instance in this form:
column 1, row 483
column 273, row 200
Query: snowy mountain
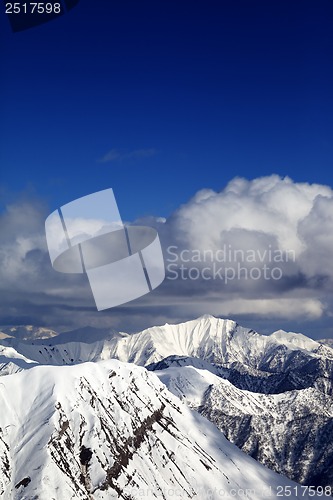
column 11, row 361
column 270, row 364
column 87, row 335
column 327, row 342
column 4, row 336
column 27, row 332
column 270, row 395
column 112, row 430
column 290, row 433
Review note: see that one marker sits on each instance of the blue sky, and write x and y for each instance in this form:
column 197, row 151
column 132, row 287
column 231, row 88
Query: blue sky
column 215, row 88
column 159, row 100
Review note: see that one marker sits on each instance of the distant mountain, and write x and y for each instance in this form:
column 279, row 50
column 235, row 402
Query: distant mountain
column 275, row 363
column 327, row 342
column 87, row 335
column 291, row 432
column 27, row 332
column 4, row 336
column 287, row 377
column 111, row 430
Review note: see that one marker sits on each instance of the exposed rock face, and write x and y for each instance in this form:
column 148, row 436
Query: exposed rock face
column 289, row 432
column 270, row 395
column 110, row 430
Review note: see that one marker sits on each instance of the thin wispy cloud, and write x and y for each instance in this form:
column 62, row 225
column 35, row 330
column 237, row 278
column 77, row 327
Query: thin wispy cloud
column 115, row 155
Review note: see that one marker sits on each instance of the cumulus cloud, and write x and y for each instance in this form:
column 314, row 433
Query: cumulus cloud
column 217, row 248
column 31, row 291
column 316, row 232
column 270, row 205
column 265, row 247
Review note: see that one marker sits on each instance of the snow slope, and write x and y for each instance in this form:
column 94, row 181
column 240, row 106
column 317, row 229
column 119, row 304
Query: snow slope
column 327, row 342
column 275, row 363
column 290, row 433
column 111, row 430
column 287, row 376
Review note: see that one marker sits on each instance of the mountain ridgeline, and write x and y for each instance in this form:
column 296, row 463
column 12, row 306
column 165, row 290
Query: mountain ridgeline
column 271, row 396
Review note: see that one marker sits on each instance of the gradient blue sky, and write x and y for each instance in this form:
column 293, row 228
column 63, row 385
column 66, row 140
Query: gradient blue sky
column 160, row 100
column 209, row 90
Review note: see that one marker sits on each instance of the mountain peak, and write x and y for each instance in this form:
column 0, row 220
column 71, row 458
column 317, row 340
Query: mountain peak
column 113, row 430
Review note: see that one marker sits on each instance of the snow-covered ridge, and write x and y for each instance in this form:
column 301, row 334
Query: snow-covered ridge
column 113, row 431
column 327, row 342
column 263, row 425
column 216, row 340
column 211, row 339
column 245, row 383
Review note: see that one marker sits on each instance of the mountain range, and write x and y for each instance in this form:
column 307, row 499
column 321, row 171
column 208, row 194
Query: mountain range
column 271, row 396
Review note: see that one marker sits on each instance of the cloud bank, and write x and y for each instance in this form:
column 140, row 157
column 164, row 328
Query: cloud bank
column 220, row 249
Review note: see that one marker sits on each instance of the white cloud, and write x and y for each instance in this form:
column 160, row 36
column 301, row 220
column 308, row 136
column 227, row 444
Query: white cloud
column 265, row 213
column 316, row 231
column 276, row 308
column 270, row 205
column 269, row 214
